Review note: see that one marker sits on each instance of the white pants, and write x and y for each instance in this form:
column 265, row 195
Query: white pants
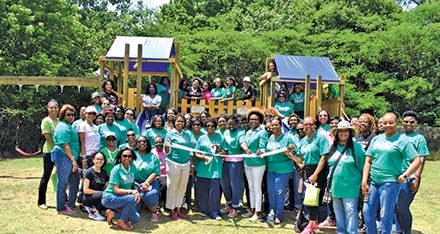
column 255, row 177
column 177, row 179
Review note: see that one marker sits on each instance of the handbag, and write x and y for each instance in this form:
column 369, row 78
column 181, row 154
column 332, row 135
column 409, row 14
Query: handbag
column 327, row 198
column 311, row 198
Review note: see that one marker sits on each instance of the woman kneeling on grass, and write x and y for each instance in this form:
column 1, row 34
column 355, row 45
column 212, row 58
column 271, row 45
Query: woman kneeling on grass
column 121, row 196
column 95, row 181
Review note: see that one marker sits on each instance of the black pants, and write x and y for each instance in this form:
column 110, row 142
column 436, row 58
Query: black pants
column 321, row 181
column 93, row 200
column 162, row 189
column 47, row 172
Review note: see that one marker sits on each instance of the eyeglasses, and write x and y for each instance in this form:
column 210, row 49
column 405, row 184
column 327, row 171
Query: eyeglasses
column 322, row 115
column 127, row 155
column 111, row 139
column 142, row 141
column 130, row 135
column 70, row 115
column 281, row 96
column 195, row 124
column 334, row 123
column 210, row 126
column 105, row 104
column 409, row 121
column 91, row 113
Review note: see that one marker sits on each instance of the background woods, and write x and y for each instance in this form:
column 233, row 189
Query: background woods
column 390, row 55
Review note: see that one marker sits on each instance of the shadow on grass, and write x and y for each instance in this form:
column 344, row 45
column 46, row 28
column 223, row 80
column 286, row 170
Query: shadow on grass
column 20, row 177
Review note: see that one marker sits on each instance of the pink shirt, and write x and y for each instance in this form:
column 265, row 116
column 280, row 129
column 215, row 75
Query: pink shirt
column 163, row 165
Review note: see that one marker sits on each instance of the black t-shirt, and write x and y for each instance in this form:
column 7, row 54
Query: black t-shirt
column 364, row 141
column 191, row 93
column 97, row 180
column 111, row 97
column 248, row 94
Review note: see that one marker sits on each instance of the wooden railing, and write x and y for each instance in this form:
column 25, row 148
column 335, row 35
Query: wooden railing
column 215, row 108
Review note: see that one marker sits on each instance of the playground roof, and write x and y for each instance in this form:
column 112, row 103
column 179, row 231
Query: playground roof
column 295, row 68
column 154, row 48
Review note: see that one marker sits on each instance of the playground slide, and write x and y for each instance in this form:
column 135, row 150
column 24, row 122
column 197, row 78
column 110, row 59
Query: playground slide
column 140, row 122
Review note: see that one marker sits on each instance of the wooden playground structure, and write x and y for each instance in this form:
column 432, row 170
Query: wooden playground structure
column 146, row 56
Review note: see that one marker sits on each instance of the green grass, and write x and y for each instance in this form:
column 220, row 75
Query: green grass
column 19, row 180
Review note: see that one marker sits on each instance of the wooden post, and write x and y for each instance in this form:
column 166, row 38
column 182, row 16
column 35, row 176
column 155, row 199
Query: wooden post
column 139, row 79
column 307, row 97
column 174, row 78
column 318, row 93
column 341, row 94
column 101, row 69
column 125, row 79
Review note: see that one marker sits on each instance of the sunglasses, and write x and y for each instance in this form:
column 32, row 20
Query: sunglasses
column 409, row 122
column 70, row 115
column 300, row 129
column 105, row 104
column 127, row 155
column 195, row 124
column 131, row 114
column 91, row 113
column 111, row 139
column 142, row 141
column 130, row 135
column 210, row 126
column 158, row 143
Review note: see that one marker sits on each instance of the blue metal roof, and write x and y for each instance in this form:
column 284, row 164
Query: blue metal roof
column 296, row 68
column 156, row 48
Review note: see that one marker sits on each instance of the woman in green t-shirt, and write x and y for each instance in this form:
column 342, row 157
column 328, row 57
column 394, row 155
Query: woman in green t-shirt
column 121, row 196
column 48, row 125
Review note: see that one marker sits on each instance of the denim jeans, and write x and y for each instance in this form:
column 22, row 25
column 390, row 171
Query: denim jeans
column 210, row 196
column 295, row 197
column 403, row 214
column 386, row 194
column 276, row 187
column 65, row 176
column 346, row 212
column 124, row 207
column 232, row 174
column 47, row 171
column 151, row 197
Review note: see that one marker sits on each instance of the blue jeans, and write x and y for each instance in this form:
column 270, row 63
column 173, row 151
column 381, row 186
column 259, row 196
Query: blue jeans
column 124, row 207
column 276, row 188
column 403, row 214
column 232, row 173
column 209, row 196
column 297, row 197
column 386, row 193
column 346, row 212
column 151, row 197
column 65, row 176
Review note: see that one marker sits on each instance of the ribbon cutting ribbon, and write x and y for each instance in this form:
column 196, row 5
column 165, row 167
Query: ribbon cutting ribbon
column 181, row 147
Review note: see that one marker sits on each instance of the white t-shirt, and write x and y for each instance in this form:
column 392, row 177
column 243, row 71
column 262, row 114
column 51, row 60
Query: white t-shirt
column 92, row 139
column 149, row 101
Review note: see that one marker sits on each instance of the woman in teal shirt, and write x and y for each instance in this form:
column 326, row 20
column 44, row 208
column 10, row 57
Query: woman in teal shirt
column 157, row 129
column 285, row 108
column 347, row 177
column 178, row 166
column 256, row 139
column 121, row 195
column 65, row 155
column 209, row 171
column 218, row 92
column 279, row 168
column 147, row 170
column 314, row 149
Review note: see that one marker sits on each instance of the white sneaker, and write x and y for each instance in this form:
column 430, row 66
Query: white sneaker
column 254, row 218
column 88, row 209
column 96, row 216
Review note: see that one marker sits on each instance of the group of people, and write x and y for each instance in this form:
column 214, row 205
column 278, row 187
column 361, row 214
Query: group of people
column 116, row 171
